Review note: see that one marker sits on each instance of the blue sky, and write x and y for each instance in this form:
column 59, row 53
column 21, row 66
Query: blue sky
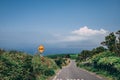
column 25, row 24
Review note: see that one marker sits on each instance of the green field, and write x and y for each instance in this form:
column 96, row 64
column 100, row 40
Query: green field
column 71, row 56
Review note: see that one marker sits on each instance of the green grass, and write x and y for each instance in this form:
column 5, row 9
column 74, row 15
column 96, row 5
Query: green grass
column 73, row 56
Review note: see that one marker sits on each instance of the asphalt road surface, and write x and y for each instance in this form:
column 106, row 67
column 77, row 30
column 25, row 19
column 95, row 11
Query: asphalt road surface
column 72, row 72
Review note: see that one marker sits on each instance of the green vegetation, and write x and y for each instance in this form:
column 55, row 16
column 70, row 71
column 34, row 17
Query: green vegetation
column 43, row 67
column 54, row 56
column 103, row 61
column 60, row 59
column 73, row 56
column 16, row 65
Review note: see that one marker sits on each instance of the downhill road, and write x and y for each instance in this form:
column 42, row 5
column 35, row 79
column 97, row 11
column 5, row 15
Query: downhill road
column 72, row 72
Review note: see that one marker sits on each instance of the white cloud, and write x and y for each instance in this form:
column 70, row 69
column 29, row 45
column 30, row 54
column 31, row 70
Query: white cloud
column 73, row 38
column 83, row 37
column 84, row 33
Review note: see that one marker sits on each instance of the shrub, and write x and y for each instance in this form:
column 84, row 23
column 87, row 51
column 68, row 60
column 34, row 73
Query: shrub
column 16, row 65
column 49, row 72
column 59, row 62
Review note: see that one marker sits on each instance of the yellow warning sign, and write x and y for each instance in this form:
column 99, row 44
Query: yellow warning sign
column 41, row 48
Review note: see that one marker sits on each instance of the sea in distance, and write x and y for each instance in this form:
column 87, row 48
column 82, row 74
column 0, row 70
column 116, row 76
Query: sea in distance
column 50, row 51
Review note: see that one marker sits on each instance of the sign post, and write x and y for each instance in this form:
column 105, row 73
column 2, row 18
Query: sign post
column 41, row 50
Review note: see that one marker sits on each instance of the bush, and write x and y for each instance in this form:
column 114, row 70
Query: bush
column 16, row 65
column 43, row 66
column 106, row 62
column 59, row 62
column 49, row 72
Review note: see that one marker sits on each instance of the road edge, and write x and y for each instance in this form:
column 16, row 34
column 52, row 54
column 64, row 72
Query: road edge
column 92, row 73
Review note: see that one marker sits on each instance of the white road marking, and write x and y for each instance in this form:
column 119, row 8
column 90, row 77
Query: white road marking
column 60, row 71
column 56, row 75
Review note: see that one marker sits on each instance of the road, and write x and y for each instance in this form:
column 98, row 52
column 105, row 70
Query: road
column 72, row 72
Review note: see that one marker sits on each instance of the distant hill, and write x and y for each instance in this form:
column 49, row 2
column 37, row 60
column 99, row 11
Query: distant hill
column 71, row 56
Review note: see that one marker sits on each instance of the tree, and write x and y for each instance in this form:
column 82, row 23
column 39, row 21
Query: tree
column 110, row 42
column 84, row 55
column 67, row 56
column 98, row 50
column 118, row 42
